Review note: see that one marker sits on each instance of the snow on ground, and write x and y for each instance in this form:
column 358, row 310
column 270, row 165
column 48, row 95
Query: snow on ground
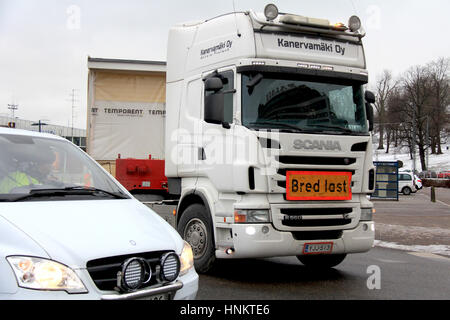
column 435, row 249
column 413, row 231
column 436, row 162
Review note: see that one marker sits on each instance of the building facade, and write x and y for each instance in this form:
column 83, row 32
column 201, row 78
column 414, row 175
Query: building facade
column 76, row 135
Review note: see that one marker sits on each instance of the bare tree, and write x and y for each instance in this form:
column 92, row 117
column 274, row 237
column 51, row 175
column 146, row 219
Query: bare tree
column 416, row 83
column 395, row 126
column 384, row 88
column 440, row 99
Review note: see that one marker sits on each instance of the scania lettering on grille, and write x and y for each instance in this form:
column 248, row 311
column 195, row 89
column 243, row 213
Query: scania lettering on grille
column 327, row 145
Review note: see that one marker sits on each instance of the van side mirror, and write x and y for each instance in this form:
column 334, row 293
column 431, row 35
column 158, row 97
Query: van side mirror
column 369, row 96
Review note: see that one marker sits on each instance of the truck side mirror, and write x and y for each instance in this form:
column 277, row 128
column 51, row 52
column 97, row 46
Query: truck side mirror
column 214, row 108
column 369, row 96
column 369, row 113
column 213, row 84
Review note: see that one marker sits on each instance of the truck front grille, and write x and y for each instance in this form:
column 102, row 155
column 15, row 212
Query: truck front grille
column 297, row 163
column 316, row 217
column 323, row 161
column 317, row 235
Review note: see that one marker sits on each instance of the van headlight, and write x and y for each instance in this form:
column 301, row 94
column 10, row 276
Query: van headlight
column 186, row 259
column 43, row 274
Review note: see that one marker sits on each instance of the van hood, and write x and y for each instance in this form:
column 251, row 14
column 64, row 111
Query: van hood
column 74, row 232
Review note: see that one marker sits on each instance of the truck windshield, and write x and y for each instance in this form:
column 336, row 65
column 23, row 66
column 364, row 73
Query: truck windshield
column 34, row 168
column 284, row 102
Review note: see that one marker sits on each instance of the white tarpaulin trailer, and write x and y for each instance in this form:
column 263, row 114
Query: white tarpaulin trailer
column 126, row 109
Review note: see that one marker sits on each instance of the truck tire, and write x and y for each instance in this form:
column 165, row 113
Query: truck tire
column 196, row 228
column 322, row 261
column 406, row 191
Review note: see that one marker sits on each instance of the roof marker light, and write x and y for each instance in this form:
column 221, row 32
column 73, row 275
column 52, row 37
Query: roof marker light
column 315, row 66
column 339, row 26
column 302, row 65
column 258, row 63
column 328, row 68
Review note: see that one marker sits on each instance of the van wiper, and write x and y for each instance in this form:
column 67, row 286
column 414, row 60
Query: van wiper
column 36, row 193
column 117, row 195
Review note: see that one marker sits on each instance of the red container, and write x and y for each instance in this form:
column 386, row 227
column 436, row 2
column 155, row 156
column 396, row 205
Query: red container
column 141, row 174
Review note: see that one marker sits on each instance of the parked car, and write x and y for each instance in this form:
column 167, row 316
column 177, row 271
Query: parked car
column 406, row 184
column 444, row 174
column 69, row 230
column 428, row 174
column 418, row 182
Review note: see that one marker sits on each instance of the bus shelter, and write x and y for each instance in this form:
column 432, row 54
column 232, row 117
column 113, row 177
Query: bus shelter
column 386, row 180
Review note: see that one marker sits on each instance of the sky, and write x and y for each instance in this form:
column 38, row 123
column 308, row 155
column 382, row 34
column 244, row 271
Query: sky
column 44, row 44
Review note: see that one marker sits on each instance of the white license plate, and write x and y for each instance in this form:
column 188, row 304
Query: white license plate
column 157, row 297
column 318, row 248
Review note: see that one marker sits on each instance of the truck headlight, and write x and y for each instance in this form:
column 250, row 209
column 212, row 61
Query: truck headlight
column 186, row 259
column 251, row 216
column 43, row 274
column 367, row 214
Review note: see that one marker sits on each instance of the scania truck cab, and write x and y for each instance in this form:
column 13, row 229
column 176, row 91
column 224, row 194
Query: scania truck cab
column 268, row 137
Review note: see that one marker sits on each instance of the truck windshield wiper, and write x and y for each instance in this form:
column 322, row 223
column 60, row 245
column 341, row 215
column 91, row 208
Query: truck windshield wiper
column 254, row 82
column 36, row 193
column 329, row 126
column 286, row 125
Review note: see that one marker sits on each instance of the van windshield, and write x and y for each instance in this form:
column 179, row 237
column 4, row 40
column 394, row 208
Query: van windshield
column 290, row 102
column 36, row 168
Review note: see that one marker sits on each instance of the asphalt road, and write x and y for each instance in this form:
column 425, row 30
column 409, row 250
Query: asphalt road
column 414, row 219
column 416, row 209
column 403, row 275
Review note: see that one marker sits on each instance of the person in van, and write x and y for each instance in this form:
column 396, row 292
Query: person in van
column 20, row 173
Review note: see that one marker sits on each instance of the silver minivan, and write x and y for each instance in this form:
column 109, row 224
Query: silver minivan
column 69, row 230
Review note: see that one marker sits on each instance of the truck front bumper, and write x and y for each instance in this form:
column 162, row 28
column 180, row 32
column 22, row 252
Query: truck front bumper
column 263, row 240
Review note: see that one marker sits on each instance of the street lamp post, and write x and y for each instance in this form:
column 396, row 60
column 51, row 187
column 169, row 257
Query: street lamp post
column 40, row 124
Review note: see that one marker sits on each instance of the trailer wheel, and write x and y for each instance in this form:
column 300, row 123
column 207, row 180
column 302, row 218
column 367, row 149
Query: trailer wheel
column 322, row 261
column 196, row 228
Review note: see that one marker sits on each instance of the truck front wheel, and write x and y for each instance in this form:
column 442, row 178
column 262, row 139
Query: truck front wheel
column 322, row 261
column 196, row 228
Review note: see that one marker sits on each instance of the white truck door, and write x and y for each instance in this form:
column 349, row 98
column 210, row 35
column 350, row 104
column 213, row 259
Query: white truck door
column 217, row 145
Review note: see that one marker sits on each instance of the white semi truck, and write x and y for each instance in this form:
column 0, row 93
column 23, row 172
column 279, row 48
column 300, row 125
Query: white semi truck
column 268, row 137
